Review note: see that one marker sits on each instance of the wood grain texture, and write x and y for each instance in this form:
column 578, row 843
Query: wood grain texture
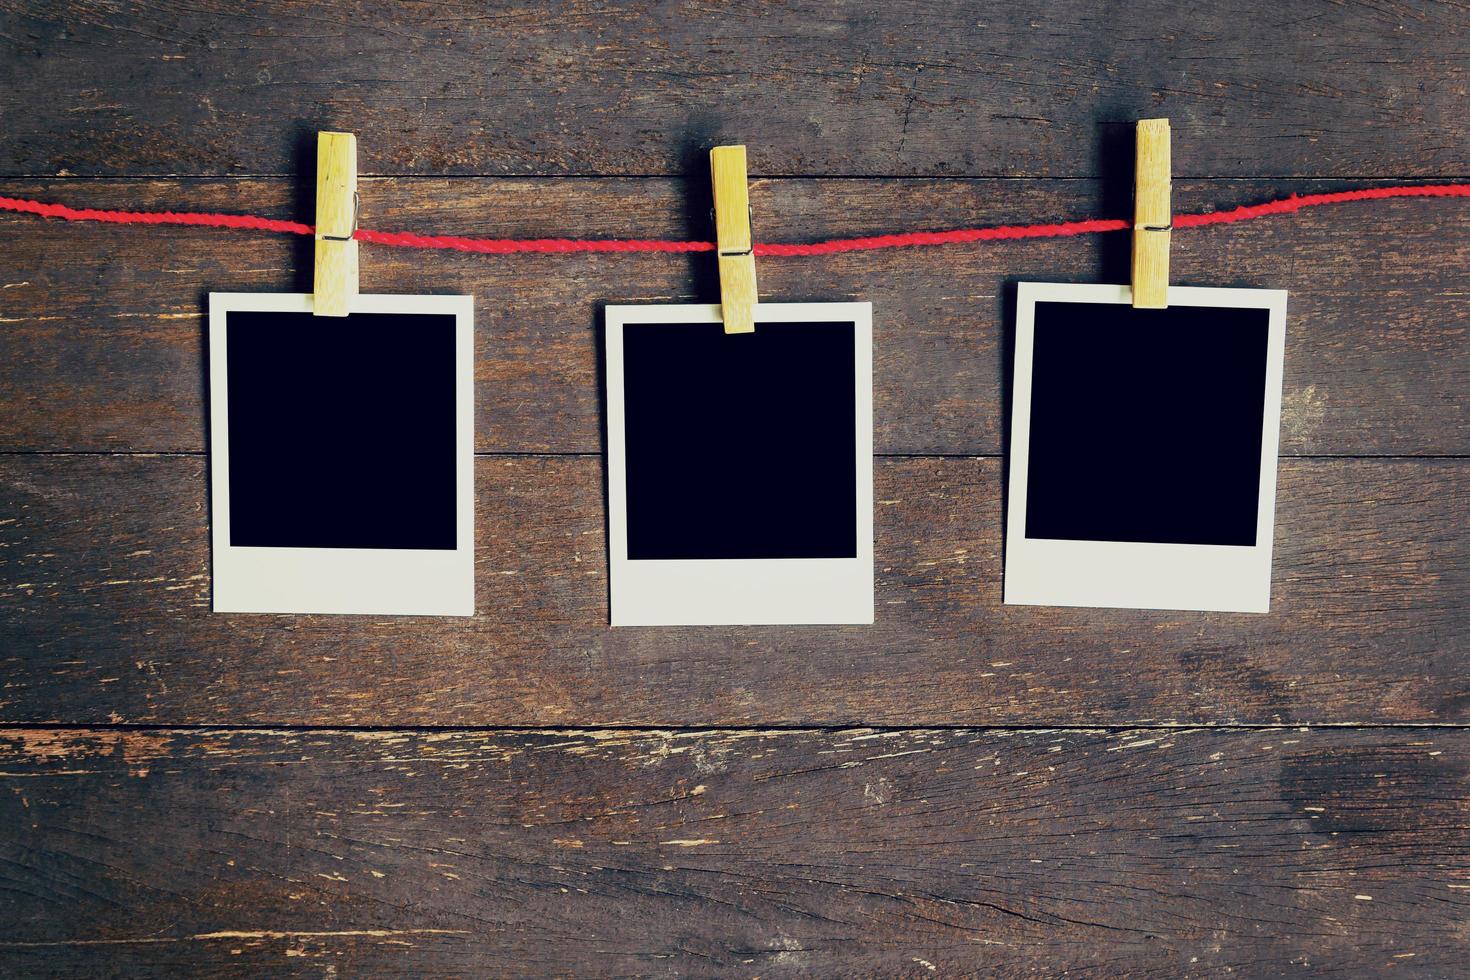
column 776, row 854
column 1036, row 88
column 104, row 606
column 733, row 238
column 1152, row 215
column 102, row 342
column 334, row 283
column 742, row 848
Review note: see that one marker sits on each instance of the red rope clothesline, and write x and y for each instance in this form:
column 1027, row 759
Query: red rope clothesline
column 507, row 246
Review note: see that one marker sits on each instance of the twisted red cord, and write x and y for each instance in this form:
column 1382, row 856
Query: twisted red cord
column 506, row 246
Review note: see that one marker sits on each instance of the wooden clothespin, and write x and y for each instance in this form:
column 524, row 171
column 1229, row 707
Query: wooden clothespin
column 733, row 239
column 335, row 285
column 1152, row 216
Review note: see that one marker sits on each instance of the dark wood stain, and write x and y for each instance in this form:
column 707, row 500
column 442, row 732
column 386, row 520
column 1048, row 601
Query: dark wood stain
column 1376, row 321
column 107, row 605
column 858, row 852
column 1033, row 89
column 504, row 795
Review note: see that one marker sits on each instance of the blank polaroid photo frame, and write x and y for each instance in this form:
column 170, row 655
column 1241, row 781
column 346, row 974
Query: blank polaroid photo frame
column 740, row 466
column 1143, row 448
column 342, row 455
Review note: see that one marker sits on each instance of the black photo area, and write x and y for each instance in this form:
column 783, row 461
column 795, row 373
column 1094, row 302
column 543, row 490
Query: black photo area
column 740, row 445
column 342, row 430
column 1146, row 424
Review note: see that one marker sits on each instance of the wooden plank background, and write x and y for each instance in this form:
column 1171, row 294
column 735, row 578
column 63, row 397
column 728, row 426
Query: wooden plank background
column 962, row 788
column 771, row 853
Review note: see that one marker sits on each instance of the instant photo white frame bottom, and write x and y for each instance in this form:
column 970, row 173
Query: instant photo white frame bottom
column 343, row 580
column 1133, row 575
column 767, row 591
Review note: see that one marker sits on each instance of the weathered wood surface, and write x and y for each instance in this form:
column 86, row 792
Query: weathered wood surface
column 103, row 326
column 775, row 854
column 1036, row 88
column 104, row 604
column 745, row 849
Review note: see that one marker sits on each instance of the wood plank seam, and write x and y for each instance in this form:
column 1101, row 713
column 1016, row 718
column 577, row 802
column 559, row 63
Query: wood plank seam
column 773, row 729
column 198, row 454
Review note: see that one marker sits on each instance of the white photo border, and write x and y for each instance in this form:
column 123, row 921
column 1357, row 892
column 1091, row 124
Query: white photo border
column 728, row 592
column 1138, row 575
column 368, row 581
